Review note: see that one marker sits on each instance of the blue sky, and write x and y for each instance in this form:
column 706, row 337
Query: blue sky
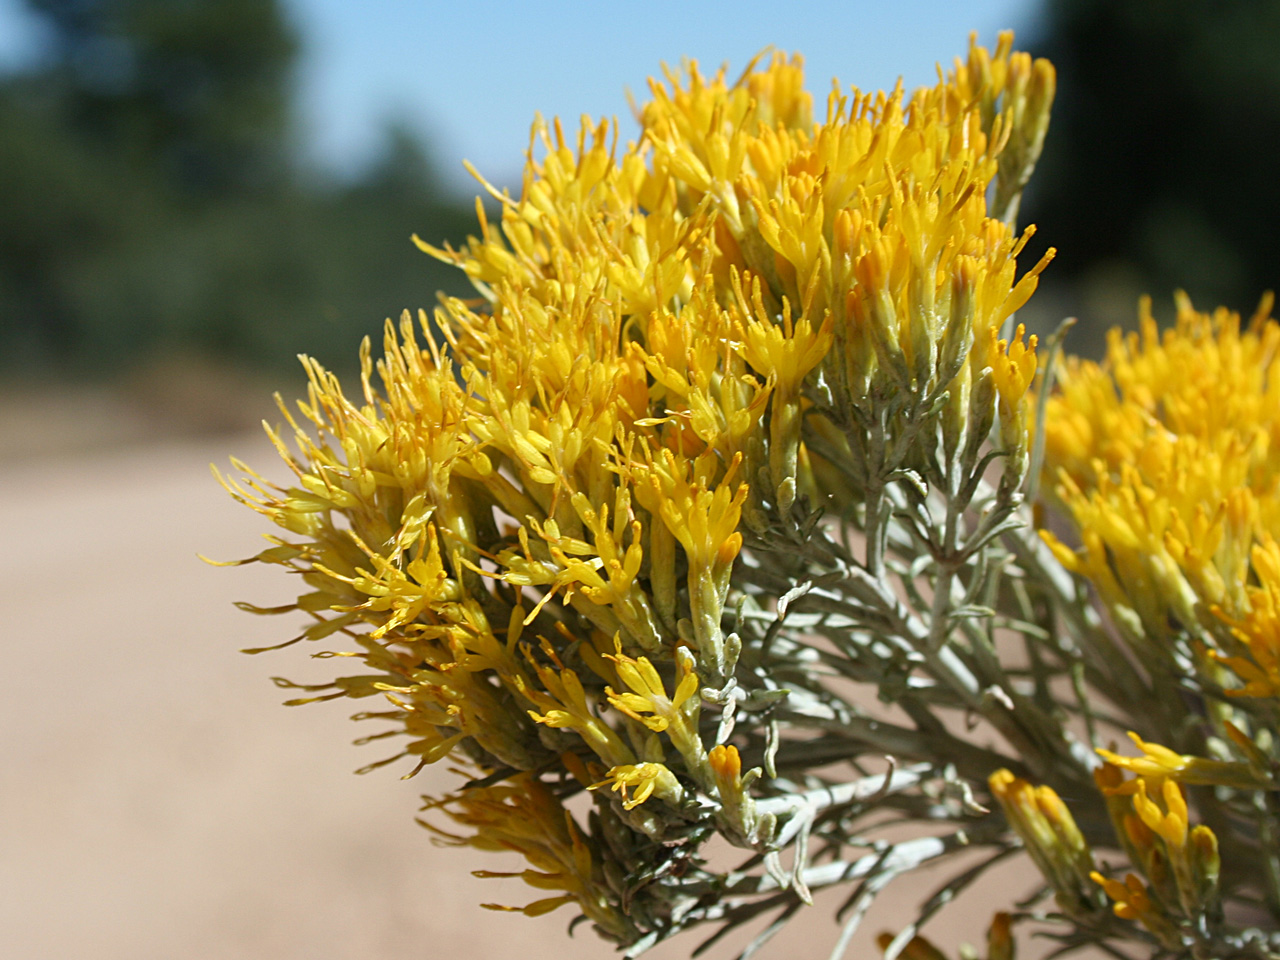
column 471, row 75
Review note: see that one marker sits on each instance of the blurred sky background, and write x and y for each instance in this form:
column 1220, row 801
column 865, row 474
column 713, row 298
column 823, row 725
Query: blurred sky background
column 469, row 77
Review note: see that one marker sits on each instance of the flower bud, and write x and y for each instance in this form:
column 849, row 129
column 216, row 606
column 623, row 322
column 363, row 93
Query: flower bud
column 1051, row 836
column 1000, row 943
column 1206, row 865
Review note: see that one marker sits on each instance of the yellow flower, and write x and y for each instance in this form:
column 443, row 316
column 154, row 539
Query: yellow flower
column 704, row 521
column 1180, row 861
column 1168, row 455
column 726, row 763
column 645, row 700
column 524, row 816
column 1052, row 838
column 645, row 779
column 1013, row 368
column 1158, row 762
column 1133, row 903
column 1259, row 628
column 1013, row 365
column 785, row 353
column 647, row 695
column 1170, row 826
column 565, row 705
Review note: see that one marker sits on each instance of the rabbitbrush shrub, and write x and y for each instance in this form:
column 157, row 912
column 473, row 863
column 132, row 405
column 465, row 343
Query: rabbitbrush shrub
column 734, row 448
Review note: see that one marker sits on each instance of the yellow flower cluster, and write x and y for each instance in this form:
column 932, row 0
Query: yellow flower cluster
column 1051, row 836
column 1151, row 820
column 1166, row 458
column 524, row 816
column 1180, row 862
column 1258, row 629
column 530, row 528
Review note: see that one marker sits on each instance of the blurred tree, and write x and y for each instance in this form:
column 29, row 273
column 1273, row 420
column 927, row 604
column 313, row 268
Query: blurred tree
column 153, row 200
column 198, row 90
column 368, row 261
column 1159, row 167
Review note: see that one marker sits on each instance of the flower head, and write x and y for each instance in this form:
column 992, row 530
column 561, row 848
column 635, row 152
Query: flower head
column 533, row 518
column 1167, row 455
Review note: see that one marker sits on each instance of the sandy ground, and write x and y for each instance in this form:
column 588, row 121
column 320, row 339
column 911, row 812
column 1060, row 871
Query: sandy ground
column 157, row 802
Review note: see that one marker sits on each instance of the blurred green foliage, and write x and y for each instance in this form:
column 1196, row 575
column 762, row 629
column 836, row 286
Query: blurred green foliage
column 153, row 199
column 1159, row 171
